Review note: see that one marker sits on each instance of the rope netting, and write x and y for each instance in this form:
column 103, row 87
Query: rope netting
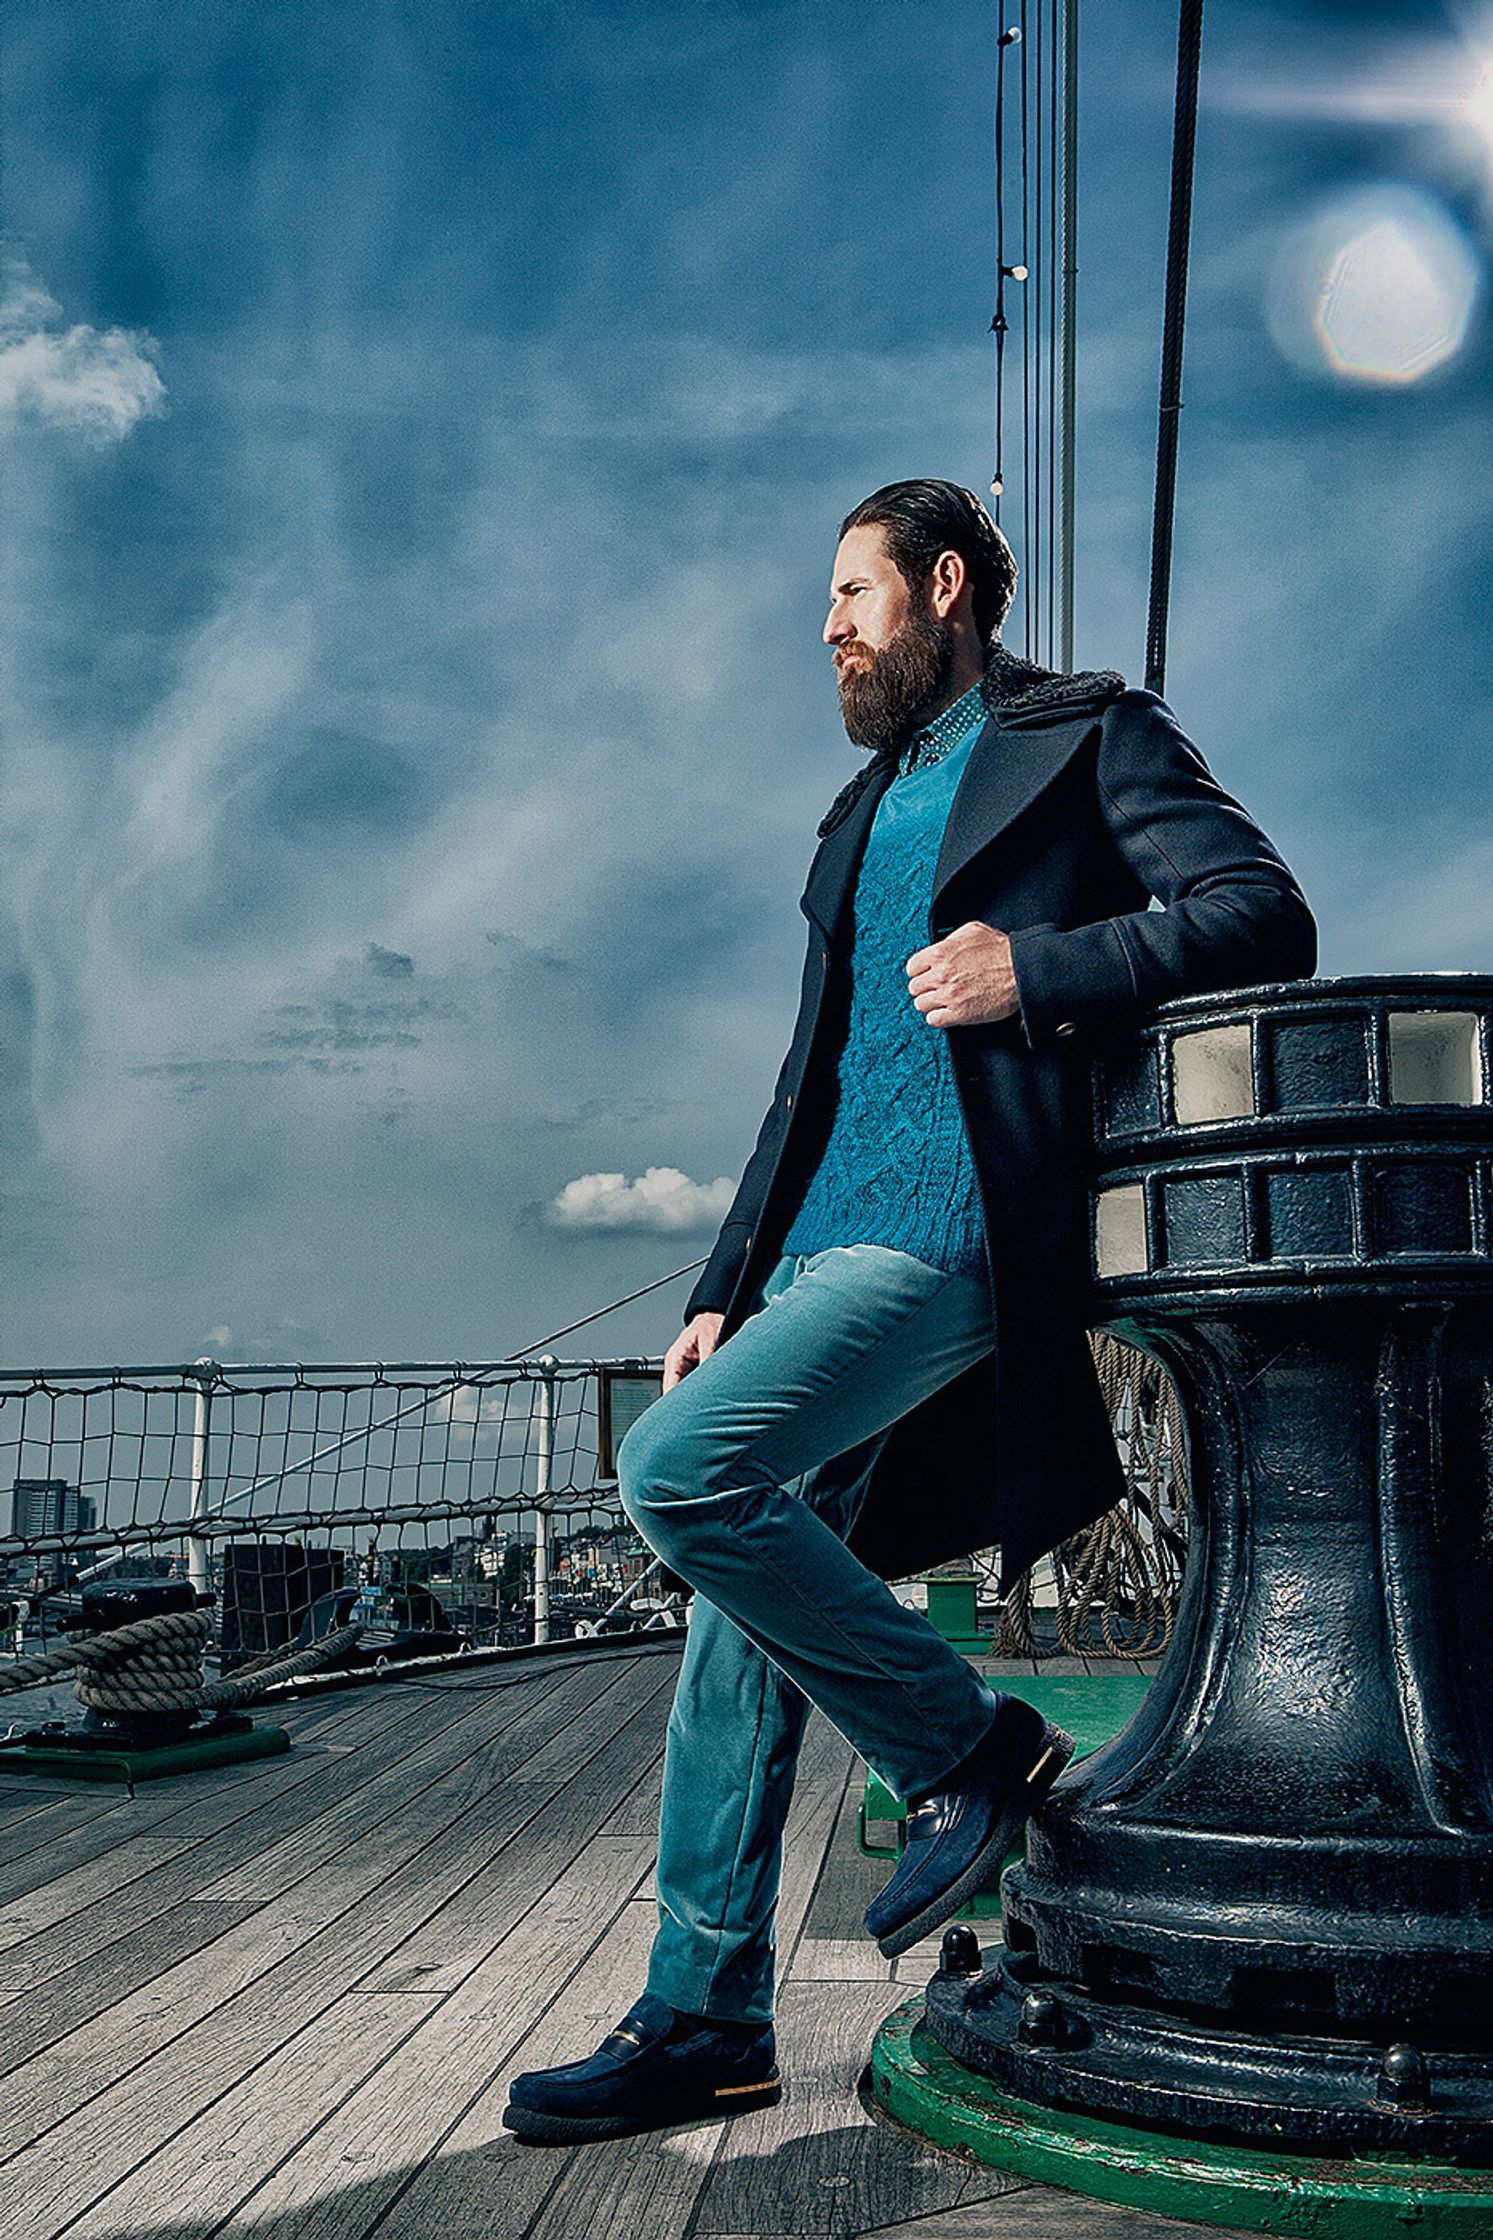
column 1112, row 1589
column 470, row 1504
column 284, row 1491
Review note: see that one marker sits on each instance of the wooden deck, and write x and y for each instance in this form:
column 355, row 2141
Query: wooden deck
column 284, row 1999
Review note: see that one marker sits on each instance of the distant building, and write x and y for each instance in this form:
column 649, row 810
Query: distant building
column 40, row 1507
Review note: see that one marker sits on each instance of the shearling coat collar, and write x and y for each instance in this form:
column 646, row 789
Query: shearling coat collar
column 1016, row 691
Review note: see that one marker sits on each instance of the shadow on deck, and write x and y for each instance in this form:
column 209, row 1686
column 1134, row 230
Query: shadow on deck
column 286, row 1998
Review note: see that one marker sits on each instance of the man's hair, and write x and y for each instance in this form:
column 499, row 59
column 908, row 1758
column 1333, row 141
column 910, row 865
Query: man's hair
column 923, row 519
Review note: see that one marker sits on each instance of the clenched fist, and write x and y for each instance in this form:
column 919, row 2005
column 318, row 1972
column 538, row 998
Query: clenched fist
column 966, row 979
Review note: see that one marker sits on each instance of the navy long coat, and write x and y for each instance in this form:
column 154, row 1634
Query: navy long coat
column 1079, row 803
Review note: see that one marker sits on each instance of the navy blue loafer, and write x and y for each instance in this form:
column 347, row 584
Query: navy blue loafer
column 958, row 1836
column 657, row 2067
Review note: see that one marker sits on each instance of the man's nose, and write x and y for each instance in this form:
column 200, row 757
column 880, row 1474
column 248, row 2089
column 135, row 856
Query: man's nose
column 838, row 627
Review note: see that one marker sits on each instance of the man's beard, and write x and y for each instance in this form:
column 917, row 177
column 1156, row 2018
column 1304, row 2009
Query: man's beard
column 883, row 697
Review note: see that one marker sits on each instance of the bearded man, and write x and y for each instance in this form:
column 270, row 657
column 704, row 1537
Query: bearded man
column 885, row 1362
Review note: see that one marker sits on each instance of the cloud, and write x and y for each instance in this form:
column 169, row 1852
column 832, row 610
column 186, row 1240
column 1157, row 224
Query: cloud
column 662, row 1201
column 390, row 964
column 91, row 381
column 275, row 1340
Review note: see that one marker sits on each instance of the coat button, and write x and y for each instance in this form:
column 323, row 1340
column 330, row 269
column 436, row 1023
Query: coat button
column 1067, row 1027
column 824, row 958
column 790, row 1100
column 750, row 1234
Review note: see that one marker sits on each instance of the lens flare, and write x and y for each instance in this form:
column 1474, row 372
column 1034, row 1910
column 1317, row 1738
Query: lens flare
column 1378, row 286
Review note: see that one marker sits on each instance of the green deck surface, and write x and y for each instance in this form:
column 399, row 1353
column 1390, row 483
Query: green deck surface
column 1092, row 1707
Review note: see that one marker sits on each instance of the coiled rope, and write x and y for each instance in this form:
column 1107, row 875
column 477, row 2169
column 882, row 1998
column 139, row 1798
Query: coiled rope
column 155, row 1665
column 1118, row 1581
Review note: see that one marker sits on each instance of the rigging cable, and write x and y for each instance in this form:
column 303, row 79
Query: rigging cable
column 1184, row 137
column 1028, row 532
column 1000, row 324
column 1050, row 323
column 1069, row 344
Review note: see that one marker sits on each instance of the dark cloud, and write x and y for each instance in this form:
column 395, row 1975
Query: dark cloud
column 389, row 964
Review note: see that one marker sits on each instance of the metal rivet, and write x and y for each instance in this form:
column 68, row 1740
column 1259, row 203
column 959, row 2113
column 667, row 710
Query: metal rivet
column 1404, row 2079
column 959, row 1954
column 1041, row 2019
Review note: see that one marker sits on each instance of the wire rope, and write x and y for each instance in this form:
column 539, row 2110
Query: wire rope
column 1184, row 143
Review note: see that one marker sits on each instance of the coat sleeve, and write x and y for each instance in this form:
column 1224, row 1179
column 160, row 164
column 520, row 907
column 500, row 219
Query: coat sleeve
column 1231, row 913
column 717, row 1278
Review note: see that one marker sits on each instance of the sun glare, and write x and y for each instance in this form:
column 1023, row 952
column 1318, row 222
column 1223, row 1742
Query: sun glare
column 1377, row 286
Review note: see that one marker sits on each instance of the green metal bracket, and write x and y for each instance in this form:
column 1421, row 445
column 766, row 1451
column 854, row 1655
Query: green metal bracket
column 130, row 1766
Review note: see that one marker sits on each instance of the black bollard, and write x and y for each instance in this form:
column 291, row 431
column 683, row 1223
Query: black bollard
column 1264, row 1913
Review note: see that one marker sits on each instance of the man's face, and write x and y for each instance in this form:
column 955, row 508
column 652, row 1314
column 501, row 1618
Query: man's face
column 892, row 653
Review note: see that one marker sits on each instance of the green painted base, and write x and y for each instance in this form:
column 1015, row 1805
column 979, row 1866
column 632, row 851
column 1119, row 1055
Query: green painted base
column 143, row 1765
column 917, row 2084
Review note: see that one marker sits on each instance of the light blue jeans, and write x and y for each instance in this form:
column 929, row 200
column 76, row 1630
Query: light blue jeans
column 719, row 1476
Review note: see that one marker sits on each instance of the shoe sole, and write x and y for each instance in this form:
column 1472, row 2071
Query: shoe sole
column 727, row 2100
column 1003, row 1838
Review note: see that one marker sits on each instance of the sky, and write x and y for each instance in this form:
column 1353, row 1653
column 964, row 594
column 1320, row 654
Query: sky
column 424, row 430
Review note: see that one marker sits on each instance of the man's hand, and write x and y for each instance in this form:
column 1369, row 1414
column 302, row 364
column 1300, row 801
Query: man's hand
column 691, row 1346
column 966, row 979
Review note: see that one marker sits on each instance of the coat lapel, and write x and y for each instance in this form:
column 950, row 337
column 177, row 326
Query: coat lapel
column 1014, row 758
column 1012, row 762
column 832, row 872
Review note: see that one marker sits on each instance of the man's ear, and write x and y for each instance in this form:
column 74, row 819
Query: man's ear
column 946, row 583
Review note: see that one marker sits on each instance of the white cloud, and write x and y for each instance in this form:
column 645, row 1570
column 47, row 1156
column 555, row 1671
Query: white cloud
column 476, row 1404
column 92, row 381
column 661, row 1200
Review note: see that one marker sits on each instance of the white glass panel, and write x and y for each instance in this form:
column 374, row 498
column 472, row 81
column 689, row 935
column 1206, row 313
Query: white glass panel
column 1212, row 1078
column 1433, row 1058
column 1120, row 1231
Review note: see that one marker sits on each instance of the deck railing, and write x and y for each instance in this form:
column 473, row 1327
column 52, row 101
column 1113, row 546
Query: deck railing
column 478, row 1495
column 480, row 1487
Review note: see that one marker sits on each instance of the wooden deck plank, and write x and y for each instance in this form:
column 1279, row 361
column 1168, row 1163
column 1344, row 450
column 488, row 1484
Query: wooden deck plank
column 649, row 2182
column 396, row 2121
column 25, row 1797
column 473, row 1749
column 817, row 2163
column 644, row 2188
column 850, row 1880
column 479, row 2165
column 333, row 1797
column 206, row 2169
column 62, row 1883
column 455, row 1940
column 1048, row 2213
column 824, row 1767
column 371, row 1960
column 307, row 1813
column 641, row 2193
column 637, row 1814
column 185, row 2046
column 72, row 1996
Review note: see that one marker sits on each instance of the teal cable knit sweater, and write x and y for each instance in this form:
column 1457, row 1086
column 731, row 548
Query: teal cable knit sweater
column 896, row 1168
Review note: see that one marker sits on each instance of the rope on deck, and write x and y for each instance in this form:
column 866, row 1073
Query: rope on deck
column 155, row 1664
